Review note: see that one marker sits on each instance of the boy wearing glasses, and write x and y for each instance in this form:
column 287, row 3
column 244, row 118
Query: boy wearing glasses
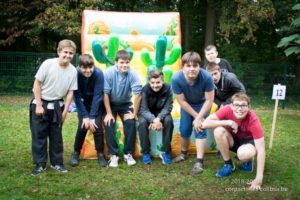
column 237, row 129
column 194, row 90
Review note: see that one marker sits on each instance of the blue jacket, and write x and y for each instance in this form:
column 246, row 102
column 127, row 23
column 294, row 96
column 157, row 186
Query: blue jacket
column 89, row 96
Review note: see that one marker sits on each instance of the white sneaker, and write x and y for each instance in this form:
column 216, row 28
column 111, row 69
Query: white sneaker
column 113, row 162
column 129, row 159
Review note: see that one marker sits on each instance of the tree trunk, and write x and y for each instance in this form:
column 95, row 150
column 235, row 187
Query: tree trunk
column 298, row 71
column 210, row 23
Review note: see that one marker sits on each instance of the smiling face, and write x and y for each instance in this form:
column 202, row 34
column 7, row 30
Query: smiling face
column 191, row 70
column 156, row 83
column 87, row 71
column 122, row 65
column 240, row 109
column 65, row 56
column 211, row 55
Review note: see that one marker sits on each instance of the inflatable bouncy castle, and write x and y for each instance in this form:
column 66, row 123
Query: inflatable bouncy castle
column 154, row 42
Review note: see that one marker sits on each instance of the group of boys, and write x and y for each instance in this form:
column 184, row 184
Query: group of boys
column 104, row 96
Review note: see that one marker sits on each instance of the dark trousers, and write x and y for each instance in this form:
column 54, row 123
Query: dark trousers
column 128, row 127
column 167, row 132
column 41, row 128
column 98, row 134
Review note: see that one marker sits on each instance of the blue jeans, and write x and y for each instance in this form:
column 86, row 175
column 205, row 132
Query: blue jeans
column 129, row 130
column 186, row 124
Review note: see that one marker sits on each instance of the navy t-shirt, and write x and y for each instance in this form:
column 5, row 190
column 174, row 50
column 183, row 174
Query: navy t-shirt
column 194, row 94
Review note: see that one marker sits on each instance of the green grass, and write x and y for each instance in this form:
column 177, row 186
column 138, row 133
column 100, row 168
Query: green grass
column 88, row 181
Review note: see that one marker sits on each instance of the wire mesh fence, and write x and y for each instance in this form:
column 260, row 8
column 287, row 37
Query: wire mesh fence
column 17, row 70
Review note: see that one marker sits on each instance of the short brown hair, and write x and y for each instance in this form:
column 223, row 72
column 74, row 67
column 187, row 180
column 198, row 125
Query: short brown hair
column 155, row 74
column 85, row 60
column 240, row 96
column 210, row 47
column 212, row 66
column 191, row 56
column 122, row 54
column 66, row 43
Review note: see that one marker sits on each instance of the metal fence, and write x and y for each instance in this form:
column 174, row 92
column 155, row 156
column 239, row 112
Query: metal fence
column 17, row 70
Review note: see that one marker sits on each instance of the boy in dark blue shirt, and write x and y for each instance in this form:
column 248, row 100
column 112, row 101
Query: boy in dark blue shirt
column 89, row 103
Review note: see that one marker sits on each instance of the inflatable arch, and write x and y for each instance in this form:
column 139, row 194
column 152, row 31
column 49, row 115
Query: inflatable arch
column 154, row 42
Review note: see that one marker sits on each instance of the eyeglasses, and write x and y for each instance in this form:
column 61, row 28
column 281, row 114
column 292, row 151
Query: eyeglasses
column 243, row 106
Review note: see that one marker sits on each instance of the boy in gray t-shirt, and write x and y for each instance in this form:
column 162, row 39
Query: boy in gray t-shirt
column 56, row 78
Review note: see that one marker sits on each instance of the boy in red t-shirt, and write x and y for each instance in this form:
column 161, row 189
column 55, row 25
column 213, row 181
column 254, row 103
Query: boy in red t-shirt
column 237, row 128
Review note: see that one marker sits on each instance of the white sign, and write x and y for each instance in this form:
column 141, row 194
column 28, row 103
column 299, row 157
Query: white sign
column 279, row 92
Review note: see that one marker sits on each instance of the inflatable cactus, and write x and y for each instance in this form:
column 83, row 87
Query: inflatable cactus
column 99, row 53
column 161, row 62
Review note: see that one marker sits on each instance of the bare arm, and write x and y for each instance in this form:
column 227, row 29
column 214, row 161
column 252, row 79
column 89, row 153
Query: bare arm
column 136, row 104
column 108, row 117
column 39, row 110
column 185, row 105
column 213, row 121
column 261, row 158
column 209, row 99
column 67, row 105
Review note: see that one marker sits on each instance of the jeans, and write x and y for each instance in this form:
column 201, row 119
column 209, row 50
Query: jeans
column 167, row 132
column 128, row 128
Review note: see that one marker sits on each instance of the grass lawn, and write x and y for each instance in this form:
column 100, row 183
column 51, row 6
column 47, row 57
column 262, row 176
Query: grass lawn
column 88, row 181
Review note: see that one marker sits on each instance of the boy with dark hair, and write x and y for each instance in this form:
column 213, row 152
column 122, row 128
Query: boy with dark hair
column 89, row 103
column 194, row 90
column 55, row 78
column 119, row 83
column 155, row 114
column 211, row 55
column 237, row 129
column 227, row 84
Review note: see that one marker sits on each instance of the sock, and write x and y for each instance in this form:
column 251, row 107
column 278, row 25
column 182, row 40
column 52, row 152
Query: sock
column 229, row 162
column 200, row 160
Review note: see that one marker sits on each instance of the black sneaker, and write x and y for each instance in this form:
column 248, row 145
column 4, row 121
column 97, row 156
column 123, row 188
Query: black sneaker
column 59, row 168
column 37, row 170
column 74, row 160
column 102, row 161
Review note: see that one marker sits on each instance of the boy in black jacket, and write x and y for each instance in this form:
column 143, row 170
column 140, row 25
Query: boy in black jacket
column 155, row 113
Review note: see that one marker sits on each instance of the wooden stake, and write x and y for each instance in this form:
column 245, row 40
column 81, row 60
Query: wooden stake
column 273, row 123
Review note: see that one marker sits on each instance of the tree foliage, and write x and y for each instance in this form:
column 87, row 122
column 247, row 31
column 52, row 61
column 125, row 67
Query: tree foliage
column 291, row 43
column 242, row 18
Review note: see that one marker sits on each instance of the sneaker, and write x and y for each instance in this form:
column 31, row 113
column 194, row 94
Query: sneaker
column 226, row 170
column 37, row 170
column 146, row 159
column 166, row 158
column 180, row 157
column 102, row 161
column 129, row 159
column 247, row 166
column 113, row 162
column 198, row 168
column 74, row 160
column 59, row 168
